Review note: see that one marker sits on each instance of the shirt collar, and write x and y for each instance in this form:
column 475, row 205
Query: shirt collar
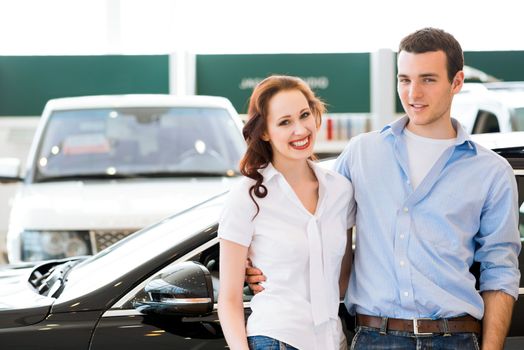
column 462, row 141
column 269, row 171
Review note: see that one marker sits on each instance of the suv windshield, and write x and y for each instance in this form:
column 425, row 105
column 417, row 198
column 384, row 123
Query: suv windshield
column 145, row 141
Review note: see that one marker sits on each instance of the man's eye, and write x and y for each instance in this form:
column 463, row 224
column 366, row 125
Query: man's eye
column 429, row 80
column 403, row 81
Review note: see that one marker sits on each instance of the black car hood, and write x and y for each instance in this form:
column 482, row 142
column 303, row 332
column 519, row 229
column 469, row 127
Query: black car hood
column 20, row 304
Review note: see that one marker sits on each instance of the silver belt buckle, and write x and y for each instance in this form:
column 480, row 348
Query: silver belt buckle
column 415, row 326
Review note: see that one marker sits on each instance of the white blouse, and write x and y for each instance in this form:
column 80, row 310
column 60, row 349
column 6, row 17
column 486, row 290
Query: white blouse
column 299, row 253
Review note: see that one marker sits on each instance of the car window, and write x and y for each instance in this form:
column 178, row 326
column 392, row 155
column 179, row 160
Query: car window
column 486, row 123
column 139, row 140
column 520, row 183
column 517, row 119
column 209, row 257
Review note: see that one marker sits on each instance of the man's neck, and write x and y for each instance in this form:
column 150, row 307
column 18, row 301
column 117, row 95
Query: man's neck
column 441, row 129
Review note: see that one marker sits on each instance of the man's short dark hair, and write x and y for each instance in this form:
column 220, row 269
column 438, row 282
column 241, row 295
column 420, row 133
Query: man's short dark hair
column 433, row 39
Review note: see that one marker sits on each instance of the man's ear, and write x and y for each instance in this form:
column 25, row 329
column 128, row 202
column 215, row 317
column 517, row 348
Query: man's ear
column 458, row 81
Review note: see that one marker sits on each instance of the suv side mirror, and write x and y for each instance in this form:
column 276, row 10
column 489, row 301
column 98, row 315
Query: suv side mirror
column 185, row 289
column 10, row 170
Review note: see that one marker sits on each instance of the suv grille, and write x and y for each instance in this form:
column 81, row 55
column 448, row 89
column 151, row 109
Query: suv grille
column 100, row 240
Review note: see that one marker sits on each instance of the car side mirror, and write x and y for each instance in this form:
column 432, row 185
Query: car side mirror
column 185, row 289
column 10, row 170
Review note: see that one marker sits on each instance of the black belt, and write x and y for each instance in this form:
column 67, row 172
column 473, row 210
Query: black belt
column 422, row 326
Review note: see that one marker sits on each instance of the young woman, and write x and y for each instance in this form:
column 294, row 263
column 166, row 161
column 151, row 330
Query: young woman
column 290, row 217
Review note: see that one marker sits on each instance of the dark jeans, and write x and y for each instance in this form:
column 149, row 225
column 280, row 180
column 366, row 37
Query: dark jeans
column 370, row 339
column 260, row 342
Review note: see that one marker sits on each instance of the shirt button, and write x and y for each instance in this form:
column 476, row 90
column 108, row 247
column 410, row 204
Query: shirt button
column 401, row 236
column 405, row 209
column 406, row 294
column 401, row 262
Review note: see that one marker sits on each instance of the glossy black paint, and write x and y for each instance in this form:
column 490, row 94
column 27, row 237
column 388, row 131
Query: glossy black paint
column 23, row 317
column 148, row 332
column 57, row 332
column 169, row 292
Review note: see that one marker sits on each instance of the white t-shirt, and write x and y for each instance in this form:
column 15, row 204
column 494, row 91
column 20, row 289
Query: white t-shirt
column 423, row 153
column 281, row 240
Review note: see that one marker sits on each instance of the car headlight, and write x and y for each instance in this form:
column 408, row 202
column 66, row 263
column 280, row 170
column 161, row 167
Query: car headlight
column 44, row 245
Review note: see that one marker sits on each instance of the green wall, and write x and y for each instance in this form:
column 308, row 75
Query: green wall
column 504, row 65
column 341, row 80
column 27, row 82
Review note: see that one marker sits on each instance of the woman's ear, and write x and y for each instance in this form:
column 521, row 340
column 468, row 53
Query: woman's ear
column 318, row 121
column 265, row 136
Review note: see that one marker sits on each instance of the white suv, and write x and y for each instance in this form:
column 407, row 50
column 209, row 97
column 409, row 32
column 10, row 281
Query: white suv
column 490, row 107
column 102, row 167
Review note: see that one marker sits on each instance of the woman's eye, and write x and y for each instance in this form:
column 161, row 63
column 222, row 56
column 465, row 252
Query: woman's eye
column 305, row 115
column 283, row 122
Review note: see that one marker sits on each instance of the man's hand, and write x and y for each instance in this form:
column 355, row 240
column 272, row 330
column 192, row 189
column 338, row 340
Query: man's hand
column 253, row 277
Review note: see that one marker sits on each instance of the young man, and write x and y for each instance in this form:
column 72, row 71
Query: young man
column 430, row 203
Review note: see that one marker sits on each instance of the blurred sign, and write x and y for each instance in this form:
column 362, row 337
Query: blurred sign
column 341, row 80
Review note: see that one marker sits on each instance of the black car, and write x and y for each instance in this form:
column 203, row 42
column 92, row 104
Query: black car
column 156, row 289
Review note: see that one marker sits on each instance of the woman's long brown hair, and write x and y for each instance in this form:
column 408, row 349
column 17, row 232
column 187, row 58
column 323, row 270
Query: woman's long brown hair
column 259, row 152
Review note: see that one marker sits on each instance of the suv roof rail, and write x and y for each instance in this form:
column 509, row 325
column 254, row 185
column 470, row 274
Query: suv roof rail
column 473, row 87
column 505, row 85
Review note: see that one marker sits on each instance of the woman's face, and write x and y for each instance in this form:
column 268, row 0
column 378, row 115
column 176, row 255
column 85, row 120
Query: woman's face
column 291, row 126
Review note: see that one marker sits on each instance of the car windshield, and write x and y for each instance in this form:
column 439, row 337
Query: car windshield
column 146, row 141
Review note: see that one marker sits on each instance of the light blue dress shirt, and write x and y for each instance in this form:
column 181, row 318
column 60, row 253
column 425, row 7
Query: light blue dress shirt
column 414, row 248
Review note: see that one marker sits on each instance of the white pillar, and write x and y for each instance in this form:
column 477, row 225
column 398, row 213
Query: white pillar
column 383, row 88
column 182, row 73
column 113, row 26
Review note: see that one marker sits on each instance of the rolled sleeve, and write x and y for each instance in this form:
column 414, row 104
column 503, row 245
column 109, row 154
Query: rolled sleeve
column 342, row 164
column 236, row 221
column 499, row 238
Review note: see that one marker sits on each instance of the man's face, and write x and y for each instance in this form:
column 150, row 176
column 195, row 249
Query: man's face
column 425, row 91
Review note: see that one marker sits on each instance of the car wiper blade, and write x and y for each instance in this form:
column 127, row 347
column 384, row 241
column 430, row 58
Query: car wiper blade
column 195, row 173
column 52, row 282
column 83, row 177
column 136, row 175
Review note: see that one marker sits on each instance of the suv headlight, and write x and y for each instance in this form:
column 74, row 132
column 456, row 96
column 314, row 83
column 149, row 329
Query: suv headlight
column 44, row 245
